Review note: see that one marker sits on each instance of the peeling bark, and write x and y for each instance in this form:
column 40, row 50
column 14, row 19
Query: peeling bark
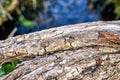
column 87, row 51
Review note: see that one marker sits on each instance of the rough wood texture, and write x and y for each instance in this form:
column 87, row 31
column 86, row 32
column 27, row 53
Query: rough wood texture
column 87, row 51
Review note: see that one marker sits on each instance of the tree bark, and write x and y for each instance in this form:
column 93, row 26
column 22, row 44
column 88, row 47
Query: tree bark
column 86, row 51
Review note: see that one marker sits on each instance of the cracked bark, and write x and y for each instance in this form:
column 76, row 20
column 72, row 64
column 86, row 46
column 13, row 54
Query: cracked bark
column 74, row 52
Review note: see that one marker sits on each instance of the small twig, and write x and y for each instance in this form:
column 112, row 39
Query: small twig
column 12, row 32
column 5, row 13
column 34, row 4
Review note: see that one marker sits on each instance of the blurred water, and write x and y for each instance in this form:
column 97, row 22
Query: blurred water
column 64, row 12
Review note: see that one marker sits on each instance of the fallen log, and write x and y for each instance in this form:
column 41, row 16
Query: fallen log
column 86, row 51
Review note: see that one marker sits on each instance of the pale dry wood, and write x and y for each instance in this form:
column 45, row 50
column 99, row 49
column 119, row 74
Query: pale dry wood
column 87, row 51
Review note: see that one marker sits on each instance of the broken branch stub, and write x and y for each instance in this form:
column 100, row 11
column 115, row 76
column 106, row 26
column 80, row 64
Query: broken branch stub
column 81, row 51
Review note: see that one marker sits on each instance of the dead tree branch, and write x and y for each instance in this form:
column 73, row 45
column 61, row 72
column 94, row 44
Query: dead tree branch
column 74, row 52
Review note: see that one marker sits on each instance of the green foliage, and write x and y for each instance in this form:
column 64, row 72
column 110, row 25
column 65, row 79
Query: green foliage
column 8, row 67
column 2, row 72
column 25, row 22
column 116, row 4
column 117, row 10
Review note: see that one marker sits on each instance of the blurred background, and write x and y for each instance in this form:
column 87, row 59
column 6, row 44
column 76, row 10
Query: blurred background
column 19, row 17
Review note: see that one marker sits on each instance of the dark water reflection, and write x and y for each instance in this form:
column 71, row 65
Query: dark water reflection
column 66, row 12
column 63, row 12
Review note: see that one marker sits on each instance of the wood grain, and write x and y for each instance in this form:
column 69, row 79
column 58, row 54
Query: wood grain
column 71, row 52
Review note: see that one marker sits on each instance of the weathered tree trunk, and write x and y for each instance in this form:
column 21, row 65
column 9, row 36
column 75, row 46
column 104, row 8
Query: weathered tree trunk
column 87, row 51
